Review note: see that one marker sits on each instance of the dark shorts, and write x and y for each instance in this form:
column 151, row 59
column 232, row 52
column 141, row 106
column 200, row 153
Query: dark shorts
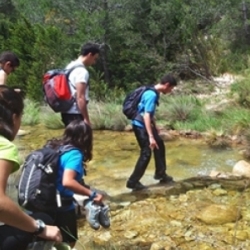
column 14, row 239
column 67, row 222
column 68, row 118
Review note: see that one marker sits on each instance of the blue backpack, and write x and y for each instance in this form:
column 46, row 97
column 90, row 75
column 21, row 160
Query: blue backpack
column 131, row 101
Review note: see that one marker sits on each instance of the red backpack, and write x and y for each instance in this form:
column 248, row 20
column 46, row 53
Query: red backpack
column 56, row 89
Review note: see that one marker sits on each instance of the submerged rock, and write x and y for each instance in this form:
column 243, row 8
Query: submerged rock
column 208, row 213
column 219, row 214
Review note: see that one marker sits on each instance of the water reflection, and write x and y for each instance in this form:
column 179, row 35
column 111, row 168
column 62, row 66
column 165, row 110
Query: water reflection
column 115, row 154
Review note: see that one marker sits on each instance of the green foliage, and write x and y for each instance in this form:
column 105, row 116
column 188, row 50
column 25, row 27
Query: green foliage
column 141, row 40
column 202, row 123
column 181, row 108
column 31, row 112
column 46, row 38
column 242, row 91
column 50, row 119
column 21, row 41
column 107, row 116
column 217, row 140
column 236, row 119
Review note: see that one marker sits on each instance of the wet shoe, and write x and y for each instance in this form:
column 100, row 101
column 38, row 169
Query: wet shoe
column 164, row 178
column 135, row 186
column 104, row 216
column 92, row 214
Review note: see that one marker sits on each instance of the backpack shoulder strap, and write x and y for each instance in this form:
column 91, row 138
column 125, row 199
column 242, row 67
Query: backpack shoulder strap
column 73, row 68
column 70, row 70
column 65, row 148
column 151, row 87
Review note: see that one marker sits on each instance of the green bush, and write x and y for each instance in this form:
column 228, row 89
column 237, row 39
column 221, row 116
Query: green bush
column 179, row 108
column 236, row 119
column 107, row 116
column 241, row 89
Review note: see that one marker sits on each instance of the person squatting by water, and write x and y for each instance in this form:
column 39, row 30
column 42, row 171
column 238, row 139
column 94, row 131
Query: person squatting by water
column 79, row 83
column 147, row 135
column 77, row 134
column 17, row 229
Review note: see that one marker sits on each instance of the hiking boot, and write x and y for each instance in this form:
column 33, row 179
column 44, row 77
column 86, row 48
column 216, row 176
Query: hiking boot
column 164, row 178
column 135, row 186
column 92, row 214
column 104, row 216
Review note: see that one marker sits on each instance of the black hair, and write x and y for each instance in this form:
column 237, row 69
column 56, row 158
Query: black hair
column 8, row 56
column 78, row 134
column 11, row 102
column 90, row 48
column 169, row 79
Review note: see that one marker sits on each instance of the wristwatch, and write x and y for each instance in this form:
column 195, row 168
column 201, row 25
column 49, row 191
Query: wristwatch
column 40, row 227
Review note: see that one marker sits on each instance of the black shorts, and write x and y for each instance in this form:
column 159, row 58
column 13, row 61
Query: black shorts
column 67, row 222
column 12, row 238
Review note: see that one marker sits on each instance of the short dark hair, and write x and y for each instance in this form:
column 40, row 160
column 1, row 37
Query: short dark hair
column 170, row 79
column 8, row 56
column 90, row 48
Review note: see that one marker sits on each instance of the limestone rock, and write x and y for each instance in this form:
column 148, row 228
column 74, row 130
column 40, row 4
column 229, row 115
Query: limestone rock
column 242, row 168
column 22, row 132
column 166, row 136
column 218, row 214
column 128, row 128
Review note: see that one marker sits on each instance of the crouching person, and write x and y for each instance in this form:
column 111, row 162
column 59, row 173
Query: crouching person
column 75, row 149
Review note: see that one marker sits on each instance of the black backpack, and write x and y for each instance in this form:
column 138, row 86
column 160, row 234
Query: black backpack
column 130, row 103
column 37, row 185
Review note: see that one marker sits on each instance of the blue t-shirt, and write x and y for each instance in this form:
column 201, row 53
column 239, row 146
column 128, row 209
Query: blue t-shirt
column 72, row 160
column 147, row 104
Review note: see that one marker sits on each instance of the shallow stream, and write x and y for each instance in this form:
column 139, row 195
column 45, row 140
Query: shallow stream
column 115, row 154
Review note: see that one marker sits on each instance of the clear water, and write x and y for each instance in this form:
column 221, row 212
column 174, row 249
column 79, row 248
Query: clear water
column 115, row 154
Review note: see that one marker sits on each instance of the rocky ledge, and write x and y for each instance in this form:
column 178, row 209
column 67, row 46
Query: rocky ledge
column 198, row 213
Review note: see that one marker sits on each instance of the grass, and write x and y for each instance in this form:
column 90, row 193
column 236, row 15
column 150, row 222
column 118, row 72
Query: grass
column 50, row 119
column 31, row 113
column 177, row 111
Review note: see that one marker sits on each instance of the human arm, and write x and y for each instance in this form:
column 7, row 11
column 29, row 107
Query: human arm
column 82, row 103
column 3, row 77
column 149, row 99
column 148, row 126
column 69, row 181
column 12, row 215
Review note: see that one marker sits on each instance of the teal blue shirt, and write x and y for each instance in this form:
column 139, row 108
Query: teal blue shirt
column 147, row 104
column 72, row 160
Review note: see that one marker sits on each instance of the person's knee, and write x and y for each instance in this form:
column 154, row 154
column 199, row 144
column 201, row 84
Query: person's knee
column 146, row 152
